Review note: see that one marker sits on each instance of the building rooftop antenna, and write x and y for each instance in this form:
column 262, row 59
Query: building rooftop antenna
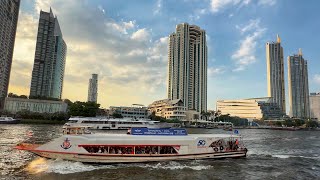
column 300, row 52
column 278, row 38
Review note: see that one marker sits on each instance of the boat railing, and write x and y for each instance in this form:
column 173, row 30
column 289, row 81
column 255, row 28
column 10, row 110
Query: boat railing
column 76, row 130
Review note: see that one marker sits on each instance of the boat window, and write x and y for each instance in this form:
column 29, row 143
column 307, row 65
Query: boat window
column 154, row 149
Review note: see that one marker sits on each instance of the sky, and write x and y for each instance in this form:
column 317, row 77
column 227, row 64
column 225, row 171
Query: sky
column 125, row 43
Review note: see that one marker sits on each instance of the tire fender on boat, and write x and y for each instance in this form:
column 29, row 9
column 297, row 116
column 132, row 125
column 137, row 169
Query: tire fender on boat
column 221, row 148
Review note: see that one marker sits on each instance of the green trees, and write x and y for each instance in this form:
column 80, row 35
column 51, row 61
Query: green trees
column 205, row 115
column 237, row 121
column 153, row 117
column 117, row 115
column 312, row 124
column 87, row 109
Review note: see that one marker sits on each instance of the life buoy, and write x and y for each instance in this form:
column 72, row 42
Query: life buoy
column 215, row 149
column 221, row 148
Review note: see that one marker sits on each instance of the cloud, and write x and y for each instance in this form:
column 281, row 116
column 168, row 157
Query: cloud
column 245, row 55
column 316, row 78
column 220, row 5
column 212, row 71
column 101, row 9
column 141, row 35
column 158, row 7
column 131, row 67
column 267, row 2
column 253, row 24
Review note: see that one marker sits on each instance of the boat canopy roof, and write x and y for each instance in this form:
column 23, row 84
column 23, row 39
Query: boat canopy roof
column 110, row 119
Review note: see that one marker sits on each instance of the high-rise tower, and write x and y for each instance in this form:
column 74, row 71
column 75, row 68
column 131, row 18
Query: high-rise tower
column 275, row 73
column 93, row 88
column 187, row 66
column 49, row 59
column 9, row 12
column 298, row 86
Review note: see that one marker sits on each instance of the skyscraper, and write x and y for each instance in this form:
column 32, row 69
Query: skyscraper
column 275, row 73
column 93, row 88
column 49, row 59
column 9, row 12
column 187, row 66
column 298, row 86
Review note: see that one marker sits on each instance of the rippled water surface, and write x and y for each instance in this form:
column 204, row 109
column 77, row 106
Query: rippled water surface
column 272, row 155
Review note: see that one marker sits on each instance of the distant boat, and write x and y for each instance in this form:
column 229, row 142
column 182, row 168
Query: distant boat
column 8, row 120
column 285, row 128
column 227, row 128
column 115, row 124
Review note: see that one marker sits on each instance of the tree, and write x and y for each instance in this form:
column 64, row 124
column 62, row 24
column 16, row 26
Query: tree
column 205, row 114
column 87, row 109
column 217, row 115
column 312, row 124
column 117, row 115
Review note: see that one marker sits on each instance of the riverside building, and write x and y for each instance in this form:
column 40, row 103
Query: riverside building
column 187, row 66
column 275, row 73
column 134, row 111
column 169, row 109
column 49, row 59
column 14, row 105
column 93, row 88
column 298, row 86
column 255, row 108
column 315, row 105
column 9, row 12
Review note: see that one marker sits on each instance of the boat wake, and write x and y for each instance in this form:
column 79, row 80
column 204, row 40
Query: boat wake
column 284, row 156
column 42, row 165
column 174, row 165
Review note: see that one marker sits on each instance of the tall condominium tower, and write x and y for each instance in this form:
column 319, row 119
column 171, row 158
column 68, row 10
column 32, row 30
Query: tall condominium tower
column 93, row 88
column 187, row 66
column 275, row 73
column 49, row 59
column 298, row 86
column 9, row 12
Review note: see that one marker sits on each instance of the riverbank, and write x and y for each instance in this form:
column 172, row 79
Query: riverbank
column 41, row 121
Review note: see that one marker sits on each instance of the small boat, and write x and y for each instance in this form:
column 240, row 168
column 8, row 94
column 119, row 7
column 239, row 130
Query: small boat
column 140, row 145
column 8, row 120
column 115, row 124
column 227, row 128
column 286, row 128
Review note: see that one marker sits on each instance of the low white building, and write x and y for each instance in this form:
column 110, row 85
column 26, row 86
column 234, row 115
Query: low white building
column 14, row 105
column 169, row 109
column 255, row 108
column 134, row 111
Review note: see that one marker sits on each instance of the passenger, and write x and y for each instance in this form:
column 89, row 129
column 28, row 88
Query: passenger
column 119, row 151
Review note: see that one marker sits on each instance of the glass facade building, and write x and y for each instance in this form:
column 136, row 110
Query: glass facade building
column 298, row 86
column 93, row 88
column 275, row 73
column 49, row 60
column 9, row 12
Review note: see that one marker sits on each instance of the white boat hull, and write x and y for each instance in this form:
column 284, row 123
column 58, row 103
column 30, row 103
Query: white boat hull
column 110, row 159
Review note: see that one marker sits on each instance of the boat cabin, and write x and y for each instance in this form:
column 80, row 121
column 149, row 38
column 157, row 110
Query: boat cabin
column 76, row 130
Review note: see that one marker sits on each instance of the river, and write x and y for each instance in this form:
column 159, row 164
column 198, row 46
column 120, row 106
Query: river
column 272, row 154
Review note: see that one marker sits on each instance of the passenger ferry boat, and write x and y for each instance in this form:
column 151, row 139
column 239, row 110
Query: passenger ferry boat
column 115, row 124
column 141, row 145
column 8, row 120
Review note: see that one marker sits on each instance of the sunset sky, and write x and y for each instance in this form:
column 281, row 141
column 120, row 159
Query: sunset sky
column 125, row 43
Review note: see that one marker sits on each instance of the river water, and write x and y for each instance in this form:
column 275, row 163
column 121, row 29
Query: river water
column 272, row 155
